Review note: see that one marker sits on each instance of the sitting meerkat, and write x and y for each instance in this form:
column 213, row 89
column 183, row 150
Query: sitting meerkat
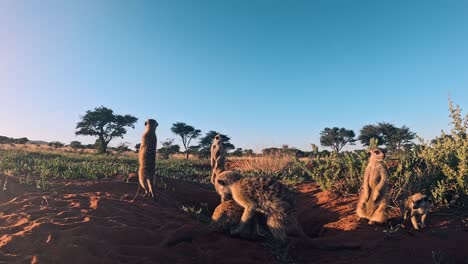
column 373, row 198
column 417, row 207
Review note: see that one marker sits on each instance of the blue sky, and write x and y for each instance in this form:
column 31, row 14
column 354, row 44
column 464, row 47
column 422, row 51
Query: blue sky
column 266, row 73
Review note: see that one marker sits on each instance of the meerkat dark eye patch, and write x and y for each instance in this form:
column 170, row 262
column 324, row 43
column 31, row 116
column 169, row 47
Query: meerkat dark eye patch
column 222, row 183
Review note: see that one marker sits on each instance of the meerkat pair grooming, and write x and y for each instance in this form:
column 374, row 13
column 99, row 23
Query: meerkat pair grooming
column 225, row 217
column 272, row 199
column 147, row 159
column 373, row 198
column 416, row 206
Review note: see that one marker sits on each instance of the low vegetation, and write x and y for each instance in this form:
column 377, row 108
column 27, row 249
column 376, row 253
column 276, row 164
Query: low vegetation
column 439, row 167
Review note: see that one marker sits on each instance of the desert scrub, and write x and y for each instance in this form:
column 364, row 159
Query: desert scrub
column 198, row 171
column 338, row 172
column 80, row 166
column 64, row 166
column 447, row 161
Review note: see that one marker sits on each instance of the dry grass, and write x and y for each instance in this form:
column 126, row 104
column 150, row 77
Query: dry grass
column 51, row 149
column 268, row 164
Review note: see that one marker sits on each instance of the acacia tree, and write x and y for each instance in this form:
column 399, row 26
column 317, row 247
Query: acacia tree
column 336, row 138
column 204, row 145
column 394, row 138
column 104, row 124
column 186, row 134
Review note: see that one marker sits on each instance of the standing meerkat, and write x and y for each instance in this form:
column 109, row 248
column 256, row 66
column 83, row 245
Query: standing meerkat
column 416, row 206
column 373, row 199
column 147, row 158
column 218, row 157
column 272, row 199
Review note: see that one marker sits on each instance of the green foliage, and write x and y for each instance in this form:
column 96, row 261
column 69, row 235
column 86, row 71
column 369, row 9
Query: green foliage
column 394, row 138
column 56, row 144
column 204, row 145
column 104, row 124
column 76, row 145
column 168, row 148
column 336, row 138
column 439, row 168
column 338, row 172
column 186, row 134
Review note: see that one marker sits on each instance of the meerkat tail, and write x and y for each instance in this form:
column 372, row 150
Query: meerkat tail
column 136, row 194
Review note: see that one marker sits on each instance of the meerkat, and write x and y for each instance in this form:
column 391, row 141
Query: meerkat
column 226, row 216
column 272, row 199
column 416, row 206
column 147, row 158
column 373, row 200
column 218, row 157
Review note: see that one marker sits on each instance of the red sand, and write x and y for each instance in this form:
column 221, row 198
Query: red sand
column 95, row 222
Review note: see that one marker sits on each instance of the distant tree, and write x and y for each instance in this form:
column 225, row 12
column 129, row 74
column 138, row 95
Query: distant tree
column 186, row 133
column 56, row 144
column 122, row 147
column 21, row 140
column 238, row 152
column 248, row 152
column 336, row 138
column 5, row 140
column 271, row 151
column 371, row 131
column 76, row 145
column 204, row 145
column 168, row 148
column 137, row 147
column 394, row 138
column 104, row 124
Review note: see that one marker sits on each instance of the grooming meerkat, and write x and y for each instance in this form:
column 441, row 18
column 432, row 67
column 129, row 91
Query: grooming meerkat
column 373, row 199
column 226, row 216
column 272, row 199
column 416, row 206
column 218, row 157
column 147, row 158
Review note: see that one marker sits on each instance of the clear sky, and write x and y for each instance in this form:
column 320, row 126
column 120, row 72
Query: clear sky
column 266, row 73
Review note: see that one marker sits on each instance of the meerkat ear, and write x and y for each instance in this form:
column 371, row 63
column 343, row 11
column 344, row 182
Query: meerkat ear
column 222, row 183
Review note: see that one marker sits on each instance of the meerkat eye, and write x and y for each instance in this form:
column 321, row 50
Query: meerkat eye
column 222, row 183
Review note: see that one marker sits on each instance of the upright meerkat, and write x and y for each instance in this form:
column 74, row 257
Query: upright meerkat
column 218, row 157
column 147, row 158
column 416, row 206
column 373, row 198
column 270, row 198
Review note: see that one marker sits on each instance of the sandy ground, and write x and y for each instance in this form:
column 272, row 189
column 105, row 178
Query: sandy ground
column 96, row 222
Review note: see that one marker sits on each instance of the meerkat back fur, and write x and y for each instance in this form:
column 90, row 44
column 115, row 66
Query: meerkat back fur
column 147, row 158
column 373, row 198
column 272, row 199
column 416, row 207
